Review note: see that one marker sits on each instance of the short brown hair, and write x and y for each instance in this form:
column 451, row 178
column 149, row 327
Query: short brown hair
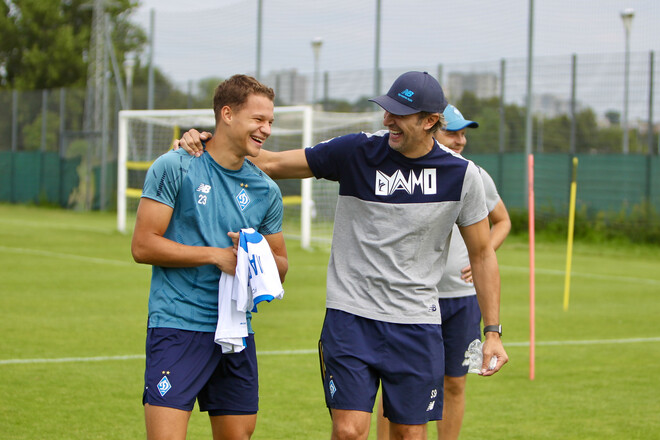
column 235, row 91
column 440, row 125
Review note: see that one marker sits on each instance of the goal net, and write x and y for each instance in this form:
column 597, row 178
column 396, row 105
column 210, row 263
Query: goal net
column 309, row 204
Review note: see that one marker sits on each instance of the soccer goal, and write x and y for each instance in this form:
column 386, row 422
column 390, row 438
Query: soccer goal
column 309, row 204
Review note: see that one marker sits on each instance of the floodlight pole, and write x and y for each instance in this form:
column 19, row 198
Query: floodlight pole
column 627, row 17
column 377, row 51
column 259, row 36
column 129, row 68
column 316, row 47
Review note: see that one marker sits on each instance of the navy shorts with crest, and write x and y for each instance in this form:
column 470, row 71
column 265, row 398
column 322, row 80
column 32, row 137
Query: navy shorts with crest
column 357, row 354
column 182, row 366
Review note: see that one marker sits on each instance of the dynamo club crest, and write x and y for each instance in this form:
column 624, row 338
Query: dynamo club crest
column 243, row 199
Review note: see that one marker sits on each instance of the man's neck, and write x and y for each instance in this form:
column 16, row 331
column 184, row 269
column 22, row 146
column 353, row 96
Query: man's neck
column 219, row 149
column 425, row 148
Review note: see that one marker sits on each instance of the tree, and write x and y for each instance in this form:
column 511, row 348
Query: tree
column 557, row 134
column 205, row 91
column 43, row 43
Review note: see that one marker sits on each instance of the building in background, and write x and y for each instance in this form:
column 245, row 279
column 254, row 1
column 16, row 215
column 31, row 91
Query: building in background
column 551, row 105
column 290, row 87
column 483, row 85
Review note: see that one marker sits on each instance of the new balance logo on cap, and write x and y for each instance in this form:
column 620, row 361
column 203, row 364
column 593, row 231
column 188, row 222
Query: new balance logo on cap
column 407, row 94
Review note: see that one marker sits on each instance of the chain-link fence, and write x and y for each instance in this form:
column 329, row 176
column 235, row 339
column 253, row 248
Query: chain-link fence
column 578, row 108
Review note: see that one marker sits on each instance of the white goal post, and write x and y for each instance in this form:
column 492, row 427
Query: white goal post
column 309, row 207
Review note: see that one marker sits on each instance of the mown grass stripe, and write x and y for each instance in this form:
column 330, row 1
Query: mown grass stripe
column 309, row 351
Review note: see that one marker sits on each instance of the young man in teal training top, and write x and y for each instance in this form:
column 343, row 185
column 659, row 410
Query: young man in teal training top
column 191, row 211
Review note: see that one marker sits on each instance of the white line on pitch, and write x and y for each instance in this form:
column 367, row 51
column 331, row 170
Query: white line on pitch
column 584, row 275
column 41, row 253
column 50, row 225
column 585, row 342
column 309, row 351
column 72, row 359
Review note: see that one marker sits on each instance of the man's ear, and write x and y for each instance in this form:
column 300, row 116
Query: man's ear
column 226, row 114
column 431, row 120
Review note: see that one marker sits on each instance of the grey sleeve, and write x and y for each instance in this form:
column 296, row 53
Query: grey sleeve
column 492, row 196
column 473, row 198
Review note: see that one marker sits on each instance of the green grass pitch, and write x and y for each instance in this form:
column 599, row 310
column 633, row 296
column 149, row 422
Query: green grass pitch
column 72, row 325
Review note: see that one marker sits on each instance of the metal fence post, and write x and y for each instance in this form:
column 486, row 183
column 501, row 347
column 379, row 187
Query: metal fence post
column 572, row 146
column 14, row 120
column 649, row 129
column 61, row 198
column 502, row 133
column 44, row 118
column 326, row 87
column 650, row 110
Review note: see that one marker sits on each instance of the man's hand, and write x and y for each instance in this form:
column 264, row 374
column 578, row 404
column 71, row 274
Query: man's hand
column 235, row 236
column 466, row 274
column 226, row 257
column 493, row 347
column 191, row 141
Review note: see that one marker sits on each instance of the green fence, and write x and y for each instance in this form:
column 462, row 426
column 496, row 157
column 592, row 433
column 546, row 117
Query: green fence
column 37, row 177
column 605, row 182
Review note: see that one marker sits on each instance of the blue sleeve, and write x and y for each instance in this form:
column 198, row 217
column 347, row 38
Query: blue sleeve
column 164, row 178
column 328, row 159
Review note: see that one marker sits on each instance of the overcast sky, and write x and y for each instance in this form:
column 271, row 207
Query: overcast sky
column 203, row 38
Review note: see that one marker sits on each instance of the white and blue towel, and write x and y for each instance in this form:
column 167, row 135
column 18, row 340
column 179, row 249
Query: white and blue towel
column 257, row 279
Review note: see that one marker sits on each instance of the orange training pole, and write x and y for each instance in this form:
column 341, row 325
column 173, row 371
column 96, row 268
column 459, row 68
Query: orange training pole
column 531, row 266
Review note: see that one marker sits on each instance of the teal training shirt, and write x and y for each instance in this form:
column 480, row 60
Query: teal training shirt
column 208, row 201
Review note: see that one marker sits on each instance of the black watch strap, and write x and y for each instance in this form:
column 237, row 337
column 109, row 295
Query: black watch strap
column 493, row 328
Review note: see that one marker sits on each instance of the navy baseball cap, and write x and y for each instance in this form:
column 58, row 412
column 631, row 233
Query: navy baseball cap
column 413, row 92
column 455, row 120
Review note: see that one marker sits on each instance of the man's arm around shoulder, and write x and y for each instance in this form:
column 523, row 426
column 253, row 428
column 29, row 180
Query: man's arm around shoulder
column 289, row 164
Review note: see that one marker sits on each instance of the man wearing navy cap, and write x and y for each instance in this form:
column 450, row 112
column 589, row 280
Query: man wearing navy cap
column 400, row 194
column 459, row 307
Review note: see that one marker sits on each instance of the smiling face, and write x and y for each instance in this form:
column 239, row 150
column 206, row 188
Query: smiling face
column 250, row 124
column 408, row 134
column 454, row 140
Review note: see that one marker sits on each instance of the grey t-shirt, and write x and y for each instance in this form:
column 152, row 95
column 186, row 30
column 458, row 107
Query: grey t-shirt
column 451, row 285
column 392, row 224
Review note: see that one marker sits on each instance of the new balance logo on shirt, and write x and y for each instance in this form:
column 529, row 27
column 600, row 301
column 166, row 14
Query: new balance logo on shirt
column 204, row 189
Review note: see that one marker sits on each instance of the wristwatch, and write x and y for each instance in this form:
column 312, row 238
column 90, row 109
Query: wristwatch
column 493, row 328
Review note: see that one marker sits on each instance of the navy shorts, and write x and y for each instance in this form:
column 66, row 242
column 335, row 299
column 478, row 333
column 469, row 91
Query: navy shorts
column 357, row 353
column 185, row 365
column 461, row 324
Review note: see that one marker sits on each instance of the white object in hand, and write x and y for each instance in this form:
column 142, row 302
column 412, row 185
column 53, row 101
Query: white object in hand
column 474, row 357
